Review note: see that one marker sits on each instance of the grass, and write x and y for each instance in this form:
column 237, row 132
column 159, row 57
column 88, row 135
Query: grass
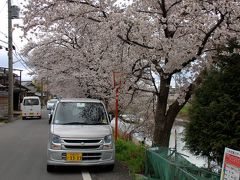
column 131, row 155
column 183, row 114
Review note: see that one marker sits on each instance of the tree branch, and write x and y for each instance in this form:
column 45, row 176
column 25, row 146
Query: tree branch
column 149, row 12
column 145, row 90
column 153, row 81
column 208, row 34
column 175, row 3
column 175, row 107
column 204, row 42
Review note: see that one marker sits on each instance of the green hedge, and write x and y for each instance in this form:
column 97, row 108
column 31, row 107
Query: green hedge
column 132, row 155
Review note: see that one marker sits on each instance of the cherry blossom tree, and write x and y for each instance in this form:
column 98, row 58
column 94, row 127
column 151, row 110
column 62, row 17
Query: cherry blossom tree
column 171, row 37
column 152, row 41
column 66, row 47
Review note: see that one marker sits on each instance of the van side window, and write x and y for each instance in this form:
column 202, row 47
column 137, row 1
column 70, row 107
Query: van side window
column 30, row 102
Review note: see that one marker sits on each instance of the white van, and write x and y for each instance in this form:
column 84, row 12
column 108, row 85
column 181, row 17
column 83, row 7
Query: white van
column 31, row 107
column 80, row 134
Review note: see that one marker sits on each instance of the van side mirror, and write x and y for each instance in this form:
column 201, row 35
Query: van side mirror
column 50, row 119
column 110, row 116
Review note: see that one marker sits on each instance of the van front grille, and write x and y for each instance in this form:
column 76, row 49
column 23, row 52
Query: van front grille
column 82, row 140
column 82, row 147
column 82, row 144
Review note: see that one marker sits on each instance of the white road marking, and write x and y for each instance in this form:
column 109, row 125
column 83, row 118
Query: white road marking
column 86, row 175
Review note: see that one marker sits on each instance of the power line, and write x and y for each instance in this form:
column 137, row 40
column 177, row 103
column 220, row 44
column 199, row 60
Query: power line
column 3, row 46
column 19, row 60
column 22, row 57
column 4, row 41
column 3, row 7
column 15, row 45
column 4, row 34
column 16, row 53
column 22, row 60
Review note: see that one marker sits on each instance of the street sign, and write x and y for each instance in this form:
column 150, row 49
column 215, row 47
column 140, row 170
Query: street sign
column 231, row 165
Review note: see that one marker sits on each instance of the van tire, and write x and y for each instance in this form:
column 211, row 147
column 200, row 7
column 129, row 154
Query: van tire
column 109, row 167
column 23, row 118
column 51, row 168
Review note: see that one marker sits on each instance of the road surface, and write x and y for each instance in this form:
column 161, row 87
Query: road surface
column 23, row 155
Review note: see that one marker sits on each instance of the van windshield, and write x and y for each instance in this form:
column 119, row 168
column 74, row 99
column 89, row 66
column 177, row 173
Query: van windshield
column 30, row 102
column 74, row 113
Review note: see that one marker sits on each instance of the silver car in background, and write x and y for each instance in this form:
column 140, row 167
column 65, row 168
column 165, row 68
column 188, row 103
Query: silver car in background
column 51, row 103
column 80, row 134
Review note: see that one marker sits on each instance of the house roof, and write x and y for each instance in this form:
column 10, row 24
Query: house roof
column 29, row 85
column 18, row 87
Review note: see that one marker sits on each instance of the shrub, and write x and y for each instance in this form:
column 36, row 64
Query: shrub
column 130, row 154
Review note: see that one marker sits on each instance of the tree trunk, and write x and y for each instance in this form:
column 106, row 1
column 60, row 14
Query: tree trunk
column 164, row 118
column 161, row 133
column 162, row 130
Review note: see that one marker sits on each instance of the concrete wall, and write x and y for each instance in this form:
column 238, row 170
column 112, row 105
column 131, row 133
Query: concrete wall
column 3, row 103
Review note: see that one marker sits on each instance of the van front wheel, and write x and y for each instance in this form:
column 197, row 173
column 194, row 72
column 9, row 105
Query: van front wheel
column 23, row 118
column 109, row 167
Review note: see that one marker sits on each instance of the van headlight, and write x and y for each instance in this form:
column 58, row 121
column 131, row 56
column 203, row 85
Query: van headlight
column 55, row 142
column 107, row 142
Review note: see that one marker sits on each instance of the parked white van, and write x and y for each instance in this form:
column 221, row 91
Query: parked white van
column 31, row 107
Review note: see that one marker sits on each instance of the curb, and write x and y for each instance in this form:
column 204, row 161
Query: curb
column 2, row 123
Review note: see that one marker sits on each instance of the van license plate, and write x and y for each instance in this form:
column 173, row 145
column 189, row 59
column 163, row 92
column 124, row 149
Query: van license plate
column 74, row 157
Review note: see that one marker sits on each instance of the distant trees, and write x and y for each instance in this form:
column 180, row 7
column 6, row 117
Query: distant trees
column 215, row 111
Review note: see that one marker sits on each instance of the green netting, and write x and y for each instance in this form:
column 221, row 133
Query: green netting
column 166, row 164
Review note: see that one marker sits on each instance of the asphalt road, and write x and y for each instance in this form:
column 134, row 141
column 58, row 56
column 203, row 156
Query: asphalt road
column 23, row 150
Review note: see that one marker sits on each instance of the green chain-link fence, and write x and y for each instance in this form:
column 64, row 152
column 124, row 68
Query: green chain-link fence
column 166, row 164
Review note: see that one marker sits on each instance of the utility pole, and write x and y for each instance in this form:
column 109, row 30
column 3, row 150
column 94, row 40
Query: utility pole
column 10, row 64
column 13, row 13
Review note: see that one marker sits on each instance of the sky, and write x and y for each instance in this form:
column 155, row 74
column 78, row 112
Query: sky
column 17, row 42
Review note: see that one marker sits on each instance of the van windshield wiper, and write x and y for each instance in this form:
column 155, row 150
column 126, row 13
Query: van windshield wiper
column 98, row 123
column 75, row 123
